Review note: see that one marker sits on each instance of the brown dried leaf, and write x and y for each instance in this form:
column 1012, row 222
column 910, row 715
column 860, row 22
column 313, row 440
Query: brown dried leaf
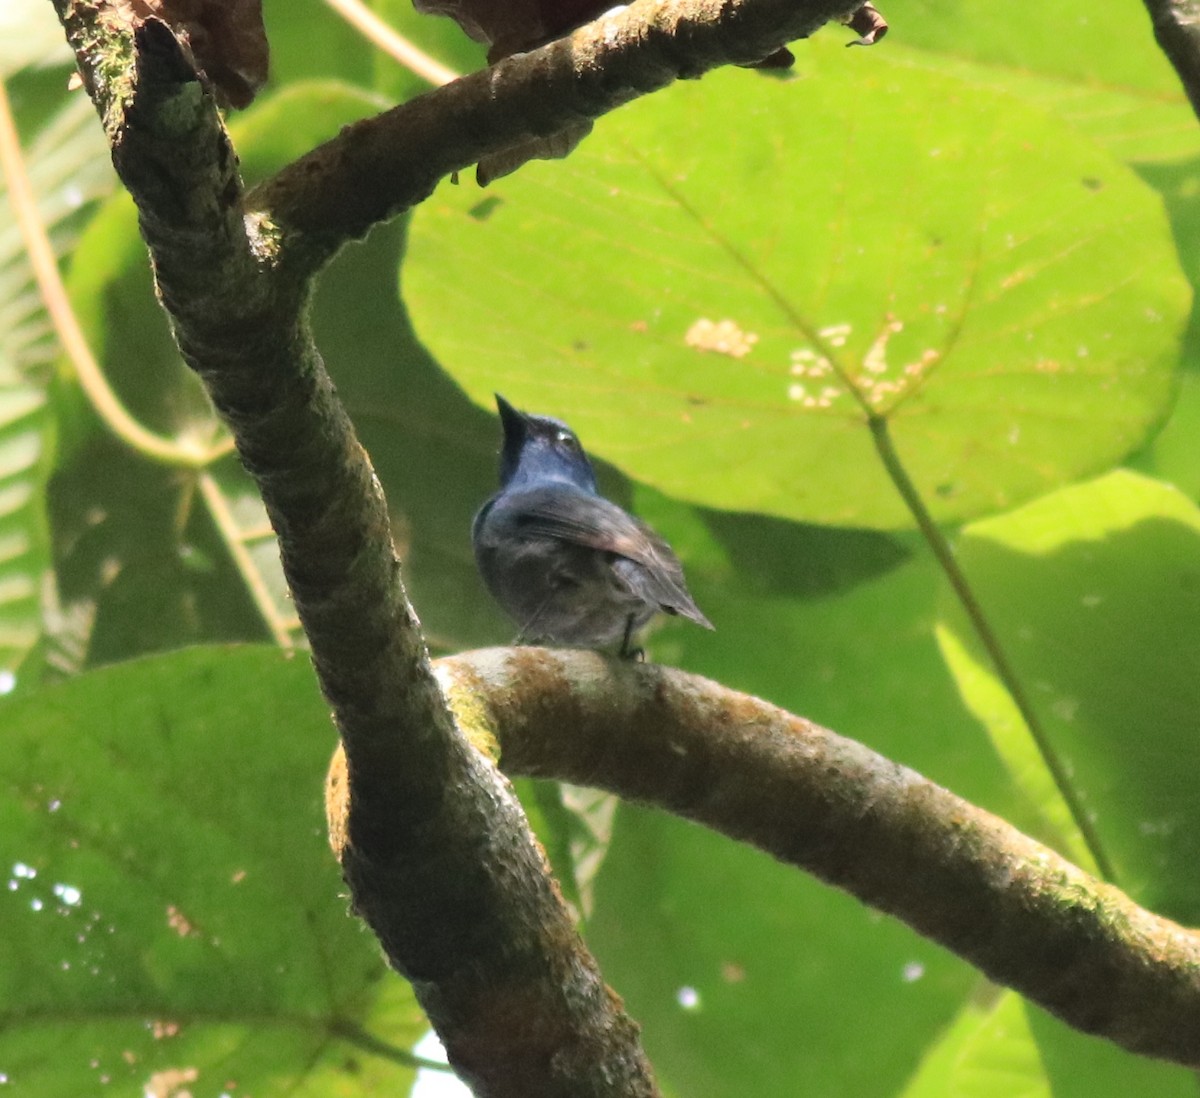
column 868, row 24
column 782, row 58
column 226, row 38
column 554, row 147
column 509, row 26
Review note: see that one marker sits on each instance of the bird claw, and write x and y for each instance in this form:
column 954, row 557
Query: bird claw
column 633, row 653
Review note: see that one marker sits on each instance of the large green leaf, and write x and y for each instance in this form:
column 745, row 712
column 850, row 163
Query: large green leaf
column 751, row 979
column 171, row 901
column 1115, row 85
column 1094, row 591
column 1109, row 44
column 701, row 286
column 1098, row 68
column 1009, row 1049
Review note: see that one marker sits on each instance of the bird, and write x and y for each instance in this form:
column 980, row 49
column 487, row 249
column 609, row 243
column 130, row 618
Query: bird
column 569, row 566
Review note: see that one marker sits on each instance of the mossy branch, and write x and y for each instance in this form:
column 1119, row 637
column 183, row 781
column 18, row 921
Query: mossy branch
column 1012, row 907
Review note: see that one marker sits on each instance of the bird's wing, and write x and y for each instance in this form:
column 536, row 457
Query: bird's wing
column 594, row 522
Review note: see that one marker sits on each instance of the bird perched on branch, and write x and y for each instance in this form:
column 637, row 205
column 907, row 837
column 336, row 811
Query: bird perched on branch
column 569, row 566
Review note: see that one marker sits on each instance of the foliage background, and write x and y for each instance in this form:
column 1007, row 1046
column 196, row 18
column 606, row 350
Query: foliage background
column 1018, row 185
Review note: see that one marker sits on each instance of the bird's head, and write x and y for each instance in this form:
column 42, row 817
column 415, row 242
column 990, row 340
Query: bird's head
column 538, row 449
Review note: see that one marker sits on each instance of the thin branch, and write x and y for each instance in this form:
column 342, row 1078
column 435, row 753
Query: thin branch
column 175, row 452
column 235, row 545
column 381, row 166
column 360, row 1038
column 1177, row 31
column 955, row 873
column 391, row 42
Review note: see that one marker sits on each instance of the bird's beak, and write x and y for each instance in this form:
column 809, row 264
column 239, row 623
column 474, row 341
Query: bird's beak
column 512, row 420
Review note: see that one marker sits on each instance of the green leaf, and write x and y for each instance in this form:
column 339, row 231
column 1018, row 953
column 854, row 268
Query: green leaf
column 67, row 168
column 987, row 1053
column 1112, row 84
column 24, row 540
column 748, row 976
column 171, row 901
column 1099, row 69
column 1011, row 305
column 1106, row 44
column 1172, row 454
column 1094, row 593
column 1009, row 1049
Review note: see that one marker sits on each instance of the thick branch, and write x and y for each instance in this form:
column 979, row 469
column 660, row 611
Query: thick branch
column 1177, row 31
column 955, row 873
column 383, row 165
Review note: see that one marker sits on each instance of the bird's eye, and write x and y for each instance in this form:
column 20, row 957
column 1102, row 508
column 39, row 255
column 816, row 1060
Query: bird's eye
column 566, row 438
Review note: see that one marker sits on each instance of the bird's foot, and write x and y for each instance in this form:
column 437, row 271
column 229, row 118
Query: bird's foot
column 632, row 652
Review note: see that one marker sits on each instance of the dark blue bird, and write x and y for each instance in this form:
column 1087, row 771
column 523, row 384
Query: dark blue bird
column 566, row 564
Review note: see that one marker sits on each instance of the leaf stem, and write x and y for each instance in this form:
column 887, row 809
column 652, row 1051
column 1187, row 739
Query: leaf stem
column 167, row 451
column 962, row 589
column 386, row 38
column 252, row 576
column 354, row 1034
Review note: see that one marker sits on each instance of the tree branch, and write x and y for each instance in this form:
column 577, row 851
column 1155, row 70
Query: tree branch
column 957, row 874
column 381, row 166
